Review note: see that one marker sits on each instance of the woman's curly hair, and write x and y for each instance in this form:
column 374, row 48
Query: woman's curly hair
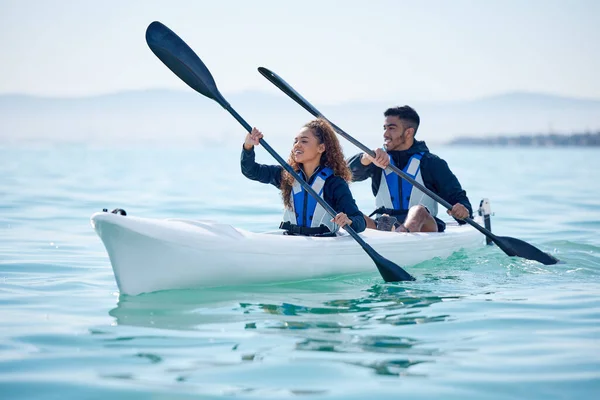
column 332, row 157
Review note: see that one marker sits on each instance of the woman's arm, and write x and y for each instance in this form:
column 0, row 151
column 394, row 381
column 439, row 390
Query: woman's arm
column 338, row 195
column 259, row 172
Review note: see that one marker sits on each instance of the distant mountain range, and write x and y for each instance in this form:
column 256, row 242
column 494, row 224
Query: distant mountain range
column 185, row 117
column 575, row 140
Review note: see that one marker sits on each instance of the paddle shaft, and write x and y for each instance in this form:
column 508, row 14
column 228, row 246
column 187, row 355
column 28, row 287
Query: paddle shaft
column 287, row 89
column 289, row 169
column 184, row 63
column 415, row 183
column 499, row 242
column 302, row 182
column 388, row 270
column 425, row 190
column 511, row 246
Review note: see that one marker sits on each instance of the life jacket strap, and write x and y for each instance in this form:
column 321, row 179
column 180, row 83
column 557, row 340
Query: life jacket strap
column 291, row 229
column 389, row 211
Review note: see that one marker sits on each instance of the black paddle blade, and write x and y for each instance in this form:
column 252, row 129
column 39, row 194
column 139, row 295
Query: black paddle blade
column 389, row 271
column 519, row 248
column 289, row 90
column 182, row 60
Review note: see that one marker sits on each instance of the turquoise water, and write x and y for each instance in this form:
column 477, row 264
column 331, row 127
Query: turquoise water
column 478, row 325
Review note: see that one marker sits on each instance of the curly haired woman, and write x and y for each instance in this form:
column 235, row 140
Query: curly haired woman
column 318, row 158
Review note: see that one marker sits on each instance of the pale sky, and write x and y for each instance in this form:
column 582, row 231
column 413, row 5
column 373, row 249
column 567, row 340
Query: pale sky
column 331, row 51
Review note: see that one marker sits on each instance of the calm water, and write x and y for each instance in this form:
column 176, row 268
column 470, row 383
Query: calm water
column 479, row 325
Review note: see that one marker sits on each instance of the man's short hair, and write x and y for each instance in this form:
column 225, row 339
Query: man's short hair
column 405, row 113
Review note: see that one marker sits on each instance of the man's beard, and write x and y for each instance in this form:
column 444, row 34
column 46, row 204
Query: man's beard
column 402, row 141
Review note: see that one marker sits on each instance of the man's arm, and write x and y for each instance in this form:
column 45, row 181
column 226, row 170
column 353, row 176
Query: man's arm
column 443, row 182
column 360, row 171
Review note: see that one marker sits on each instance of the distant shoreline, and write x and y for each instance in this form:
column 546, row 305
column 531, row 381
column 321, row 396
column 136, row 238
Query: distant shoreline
column 537, row 140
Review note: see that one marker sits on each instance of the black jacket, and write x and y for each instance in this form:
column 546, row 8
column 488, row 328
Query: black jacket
column 335, row 191
column 435, row 172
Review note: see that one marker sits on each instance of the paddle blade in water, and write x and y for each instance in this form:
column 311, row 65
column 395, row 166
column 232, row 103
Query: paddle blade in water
column 517, row 247
column 389, row 271
column 182, row 60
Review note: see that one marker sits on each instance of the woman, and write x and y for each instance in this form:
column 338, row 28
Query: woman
column 317, row 157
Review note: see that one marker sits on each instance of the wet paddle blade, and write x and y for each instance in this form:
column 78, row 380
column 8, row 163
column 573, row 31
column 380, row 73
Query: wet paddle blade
column 389, row 271
column 517, row 247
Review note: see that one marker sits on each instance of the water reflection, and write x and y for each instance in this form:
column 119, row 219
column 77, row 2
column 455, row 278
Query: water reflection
column 341, row 308
column 337, row 325
column 389, row 367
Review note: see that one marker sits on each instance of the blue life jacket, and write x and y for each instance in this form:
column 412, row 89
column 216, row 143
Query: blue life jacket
column 306, row 211
column 388, row 199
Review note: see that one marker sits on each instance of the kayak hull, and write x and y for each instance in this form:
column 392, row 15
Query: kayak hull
column 149, row 255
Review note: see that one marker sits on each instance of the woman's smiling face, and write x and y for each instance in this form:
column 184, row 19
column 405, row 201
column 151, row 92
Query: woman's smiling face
column 307, row 147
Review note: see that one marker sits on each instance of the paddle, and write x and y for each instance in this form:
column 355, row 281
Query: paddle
column 511, row 246
column 182, row 60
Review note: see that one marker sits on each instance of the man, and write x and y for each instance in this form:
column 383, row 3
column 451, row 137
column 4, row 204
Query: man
column 396, row 197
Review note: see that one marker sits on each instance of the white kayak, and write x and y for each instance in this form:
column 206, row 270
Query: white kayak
column 148, row 255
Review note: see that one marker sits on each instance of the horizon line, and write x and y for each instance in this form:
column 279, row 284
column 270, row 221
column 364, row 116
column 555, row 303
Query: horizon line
column 278, row 94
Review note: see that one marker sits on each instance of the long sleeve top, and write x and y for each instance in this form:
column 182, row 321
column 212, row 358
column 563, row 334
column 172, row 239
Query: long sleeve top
column 435, row 172
column 336, row 191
